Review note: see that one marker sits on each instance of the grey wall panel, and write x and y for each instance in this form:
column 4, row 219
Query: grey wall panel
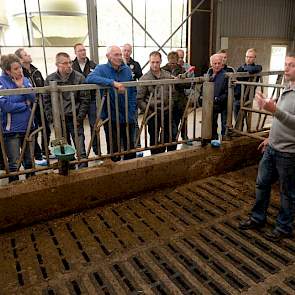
column 257, row 18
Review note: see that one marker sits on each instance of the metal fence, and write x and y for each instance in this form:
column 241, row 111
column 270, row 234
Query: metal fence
column 104, row 99
column 247, row 107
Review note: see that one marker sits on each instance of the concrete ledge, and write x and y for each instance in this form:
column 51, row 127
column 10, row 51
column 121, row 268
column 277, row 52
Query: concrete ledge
column 50, row 195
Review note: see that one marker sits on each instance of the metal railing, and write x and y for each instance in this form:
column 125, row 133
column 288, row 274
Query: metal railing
column 104, row 101
column 247, row 108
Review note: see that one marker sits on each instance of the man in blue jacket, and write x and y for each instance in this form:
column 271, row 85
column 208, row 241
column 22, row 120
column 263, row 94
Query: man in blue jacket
column 112, row 74
column 15, row 112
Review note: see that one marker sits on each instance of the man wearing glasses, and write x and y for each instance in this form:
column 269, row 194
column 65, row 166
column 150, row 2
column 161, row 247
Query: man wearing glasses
column 65, row 75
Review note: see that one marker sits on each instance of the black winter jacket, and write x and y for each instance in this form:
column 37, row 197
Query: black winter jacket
column 82, row 98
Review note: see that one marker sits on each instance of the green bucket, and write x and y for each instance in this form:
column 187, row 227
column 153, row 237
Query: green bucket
column 68, row 155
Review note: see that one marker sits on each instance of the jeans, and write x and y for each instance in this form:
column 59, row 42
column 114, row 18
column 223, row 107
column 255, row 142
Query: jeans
column 123, row 139
column 13, row 144
column 92, row 120
column 216, row 111
column 274, row 166
column 81, row 138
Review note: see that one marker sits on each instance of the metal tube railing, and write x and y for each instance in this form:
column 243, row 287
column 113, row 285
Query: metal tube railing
column 157, row 97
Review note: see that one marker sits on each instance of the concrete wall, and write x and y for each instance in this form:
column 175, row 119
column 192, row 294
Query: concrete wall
column 47, row 196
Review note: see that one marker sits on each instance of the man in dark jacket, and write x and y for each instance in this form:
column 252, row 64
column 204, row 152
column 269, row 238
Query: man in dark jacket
column 136, row 74
column 85, row 66
column 36, row 79
column 112, row 74
column 251, row 68
column 180, row 98
column 131, row 63
column 65, row 75
column 220, row 94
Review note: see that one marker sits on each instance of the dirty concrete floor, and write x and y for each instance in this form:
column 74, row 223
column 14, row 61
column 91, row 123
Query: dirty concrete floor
column 182, row 240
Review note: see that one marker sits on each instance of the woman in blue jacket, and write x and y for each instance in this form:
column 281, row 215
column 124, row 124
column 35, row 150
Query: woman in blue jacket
column 15, row 111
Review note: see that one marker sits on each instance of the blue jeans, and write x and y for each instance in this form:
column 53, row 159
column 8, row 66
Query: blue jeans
column 13, row 144
column 274, row 166
column 92, row 120
column 81, row 138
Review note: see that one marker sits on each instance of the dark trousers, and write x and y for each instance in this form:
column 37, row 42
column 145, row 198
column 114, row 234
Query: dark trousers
column 92, row 119
column 156, row 136
column 123, row 139
column 81, row 138
column 216, row 111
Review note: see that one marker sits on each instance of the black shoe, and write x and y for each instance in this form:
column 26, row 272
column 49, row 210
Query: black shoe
column 250, row 224
column 277, row 235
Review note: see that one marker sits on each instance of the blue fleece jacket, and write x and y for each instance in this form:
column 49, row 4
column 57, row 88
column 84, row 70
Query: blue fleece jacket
column 105, row 75
column 15, row 109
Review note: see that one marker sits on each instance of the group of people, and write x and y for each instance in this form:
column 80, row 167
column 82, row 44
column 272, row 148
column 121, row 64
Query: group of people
column 15, row 110
column 217, row 74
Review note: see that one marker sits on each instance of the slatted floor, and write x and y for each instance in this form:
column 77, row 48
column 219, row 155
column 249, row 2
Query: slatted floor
column 182, row 240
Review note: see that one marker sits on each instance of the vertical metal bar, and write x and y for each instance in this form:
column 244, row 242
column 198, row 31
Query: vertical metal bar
column 162, row 115
column 126, row 119
column 240, row 119
column 3, row 150
column 44, row 131
column 55, row 109
column 211, row 28
column 170, row 113
column 28, row 131
column 62, row 115
column 110, row 121
column 249, row 114
column 27, row 23
column 156, row 117
column 77, row 144
column 181, row 33
column 99, row 105
column 207, row 110
column 117, row 120
column 132, row 25
column 92, row 29
column 32, row 149
column 144, row 121
column 195, row 113
column 42, row 38
column 171, row 15
column 230, row 101
column 145, row 23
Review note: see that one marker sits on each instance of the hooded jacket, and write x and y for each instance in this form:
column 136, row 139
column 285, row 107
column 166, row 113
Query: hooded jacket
column 16, row 108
